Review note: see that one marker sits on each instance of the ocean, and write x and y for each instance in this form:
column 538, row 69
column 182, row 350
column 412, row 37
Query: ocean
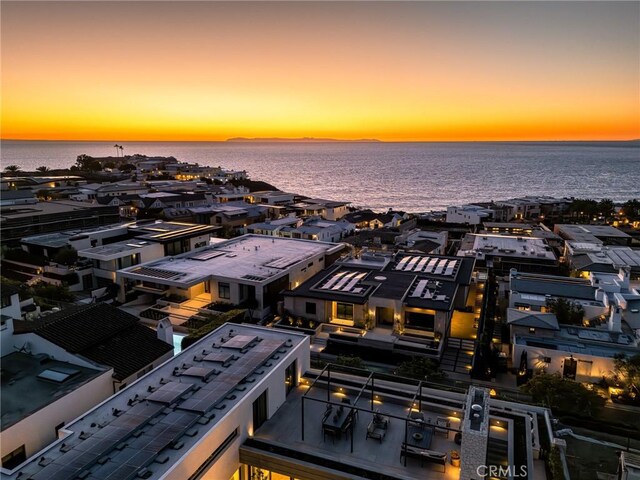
column 414, row 177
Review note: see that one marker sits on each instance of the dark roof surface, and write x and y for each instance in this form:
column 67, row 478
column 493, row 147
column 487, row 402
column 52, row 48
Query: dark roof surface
column 554, row 286
column 103, row 334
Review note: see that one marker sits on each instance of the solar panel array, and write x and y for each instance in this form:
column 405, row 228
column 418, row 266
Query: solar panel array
column 122, row 448
column 219, row 357
column 426, row 264
column 425, row 288
column 155, row 272
column 170, row 392
column 239, row 341
column 345, row 281
column 232, row 376
column 207, row 255
column 285, row 262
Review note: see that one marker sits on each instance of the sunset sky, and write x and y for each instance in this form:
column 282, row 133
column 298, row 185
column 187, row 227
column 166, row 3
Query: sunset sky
column 393, row 71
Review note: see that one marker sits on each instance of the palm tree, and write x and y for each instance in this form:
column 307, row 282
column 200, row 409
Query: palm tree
column 12, row 169
column 117, row 147
column 122, row 150
column 42, row 169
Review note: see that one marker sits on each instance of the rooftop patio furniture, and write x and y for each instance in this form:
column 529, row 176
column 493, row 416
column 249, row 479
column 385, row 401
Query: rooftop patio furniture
column 425, row 455
column 443, row 425
column 377, row 428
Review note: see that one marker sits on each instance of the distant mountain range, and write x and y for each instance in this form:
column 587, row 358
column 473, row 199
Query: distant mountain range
column 300, row 140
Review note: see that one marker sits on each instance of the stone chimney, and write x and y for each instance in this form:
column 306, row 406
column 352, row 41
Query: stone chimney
column 475, row 433
column 165, row 331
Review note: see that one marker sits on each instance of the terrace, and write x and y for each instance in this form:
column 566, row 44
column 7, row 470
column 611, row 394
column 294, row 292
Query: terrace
column 371, row 426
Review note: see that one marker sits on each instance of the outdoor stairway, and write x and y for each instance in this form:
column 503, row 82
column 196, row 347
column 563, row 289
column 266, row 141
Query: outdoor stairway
column 455, row 357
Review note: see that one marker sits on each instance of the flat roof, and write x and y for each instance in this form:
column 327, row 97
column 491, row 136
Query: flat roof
column 505, row 246
column 47, row 208
column 161, row 231
column 587, row 233
column 356, row 282
column 115, row 250
column 553, row 285
column 170, row 410
column 523, row 226
column 249, row 258
column 586, row 341
column 26, row 390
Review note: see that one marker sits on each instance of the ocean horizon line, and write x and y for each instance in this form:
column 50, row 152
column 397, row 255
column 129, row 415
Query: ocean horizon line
column 310, row 140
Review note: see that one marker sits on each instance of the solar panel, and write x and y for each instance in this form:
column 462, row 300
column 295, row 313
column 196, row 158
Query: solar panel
column 432, row 263
column 419, row 288
column 343, row 281
column 353, row 282
column 421, row 264
column 55, row 472
column 219, row 357
column 439, row 268
column 170, row 392
column 333, row 280
column 402, row 262
column 207, row 255
column 411, row 263
column 200, row 372
column 155, row 272
column 239, row 341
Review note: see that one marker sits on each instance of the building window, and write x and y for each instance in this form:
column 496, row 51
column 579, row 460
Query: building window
column 224, row 291
column 419, row 320
column 207, row 287
column 260, row 411
column 15, row 458
column 310, row 308
column 532, row 330
column 344, row 311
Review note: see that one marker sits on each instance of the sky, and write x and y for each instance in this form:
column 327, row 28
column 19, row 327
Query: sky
column 395, row 71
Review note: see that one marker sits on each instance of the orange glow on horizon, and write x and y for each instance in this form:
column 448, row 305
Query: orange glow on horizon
column 209, row 71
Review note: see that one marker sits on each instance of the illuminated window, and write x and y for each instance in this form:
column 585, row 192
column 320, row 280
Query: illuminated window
column 344, row 311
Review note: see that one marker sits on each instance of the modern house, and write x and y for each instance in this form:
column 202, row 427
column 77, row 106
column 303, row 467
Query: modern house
column 248, row 269
column 469, row 214
column 587, row 258
column 102, row 251
column 242, row 403
column 599, row 234
column 504, row 252
column 21, row 221
column 313, row 228
column 326, row 209
column 402, row 303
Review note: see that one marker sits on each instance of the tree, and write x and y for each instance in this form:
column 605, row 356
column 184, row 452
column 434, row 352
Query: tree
column 110, row 165
column 117, row 147
column 52, row 292
column 88, row 164
column 42, row 169
column 563, row 395
column 420, row 368
column 127, row 167
column 606, row 207
column 628, row 368
column 12, row 169
column 631, row 209
column 66, row 256
column 568, row 313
